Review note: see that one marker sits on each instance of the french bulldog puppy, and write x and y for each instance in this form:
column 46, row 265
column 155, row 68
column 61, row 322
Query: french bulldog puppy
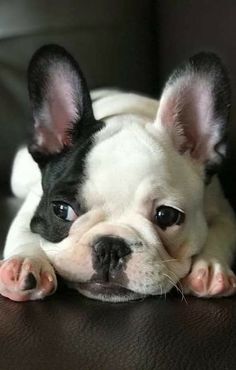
column 122, row 197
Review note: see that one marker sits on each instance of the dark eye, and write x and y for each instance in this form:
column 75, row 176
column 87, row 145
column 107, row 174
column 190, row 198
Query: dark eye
column 64, row 211
column 167, row 216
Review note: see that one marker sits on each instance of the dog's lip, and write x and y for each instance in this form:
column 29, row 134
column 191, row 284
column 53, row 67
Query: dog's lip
column 104, row 287
column 108, row 290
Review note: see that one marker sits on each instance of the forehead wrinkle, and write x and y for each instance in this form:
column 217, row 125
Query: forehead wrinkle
column 152, row 192
column 116, row 166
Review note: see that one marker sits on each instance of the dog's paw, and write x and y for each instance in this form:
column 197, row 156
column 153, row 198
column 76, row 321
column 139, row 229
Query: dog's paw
column 209, row 278
column 26, row 278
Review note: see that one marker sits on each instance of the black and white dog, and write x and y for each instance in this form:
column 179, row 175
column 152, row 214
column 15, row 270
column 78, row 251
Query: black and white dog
column 125, row 204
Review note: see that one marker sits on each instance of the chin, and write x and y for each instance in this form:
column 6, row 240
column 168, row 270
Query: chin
column 107, row 292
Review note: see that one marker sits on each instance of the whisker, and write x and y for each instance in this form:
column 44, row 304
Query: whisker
column 179, row 287
column 51, row 252
column 176, row 286
column 161, row 289
column 170, row 260
column 176, row 277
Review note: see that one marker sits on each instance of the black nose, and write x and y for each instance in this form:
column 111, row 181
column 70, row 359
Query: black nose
column 109, row 253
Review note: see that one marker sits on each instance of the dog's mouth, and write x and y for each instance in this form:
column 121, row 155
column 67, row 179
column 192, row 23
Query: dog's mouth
column 107, row 291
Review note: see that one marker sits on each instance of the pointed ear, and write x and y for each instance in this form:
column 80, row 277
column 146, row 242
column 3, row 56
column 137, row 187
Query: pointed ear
column 60, row 101
column 194, row 108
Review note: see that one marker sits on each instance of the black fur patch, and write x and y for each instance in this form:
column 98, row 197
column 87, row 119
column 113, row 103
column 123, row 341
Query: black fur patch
column 62, row 177
column 62, row 172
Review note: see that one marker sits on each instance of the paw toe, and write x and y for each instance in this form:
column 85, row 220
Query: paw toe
column 23, row 279
column 232, row 281
column 48, row 283
column 197, row 281
column 211, row 280
column 10, row 271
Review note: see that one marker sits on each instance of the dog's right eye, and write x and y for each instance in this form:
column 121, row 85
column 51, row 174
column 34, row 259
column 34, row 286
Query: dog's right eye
column 64, row 211
column 168, row 216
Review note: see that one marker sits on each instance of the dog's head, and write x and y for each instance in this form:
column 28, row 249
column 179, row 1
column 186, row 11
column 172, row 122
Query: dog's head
column 122, row 210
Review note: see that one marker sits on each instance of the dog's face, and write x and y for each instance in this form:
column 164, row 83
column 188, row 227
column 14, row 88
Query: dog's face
column 122, row 210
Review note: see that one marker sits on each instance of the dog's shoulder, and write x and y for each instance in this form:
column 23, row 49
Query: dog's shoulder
column 25, row 174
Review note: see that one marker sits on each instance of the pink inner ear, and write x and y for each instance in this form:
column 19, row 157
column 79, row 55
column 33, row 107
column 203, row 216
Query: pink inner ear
column 186, row 110
column 168, row 116
column 59, row 111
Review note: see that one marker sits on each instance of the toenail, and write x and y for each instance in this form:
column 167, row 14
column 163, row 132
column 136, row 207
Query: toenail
column 49, row 277
column 30, row 282
column 201, row 274
column 220, row 278
column 27, row 267
column 233, row 282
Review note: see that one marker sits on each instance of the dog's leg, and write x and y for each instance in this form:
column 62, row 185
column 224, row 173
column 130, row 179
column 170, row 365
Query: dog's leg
column 211, row 274
column 25, row 272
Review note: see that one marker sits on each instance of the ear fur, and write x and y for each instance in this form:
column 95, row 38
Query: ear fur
column 194, row 108
column 60, row 101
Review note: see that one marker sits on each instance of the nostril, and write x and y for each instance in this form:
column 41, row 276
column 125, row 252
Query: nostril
column 110, row 252
column 123, row 250
column 101, row 252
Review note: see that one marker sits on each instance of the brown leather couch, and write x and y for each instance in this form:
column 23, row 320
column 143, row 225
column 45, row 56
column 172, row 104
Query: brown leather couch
column 131, row 44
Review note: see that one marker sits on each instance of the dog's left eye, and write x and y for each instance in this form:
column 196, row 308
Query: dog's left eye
column 64, row 211
column 167, row 216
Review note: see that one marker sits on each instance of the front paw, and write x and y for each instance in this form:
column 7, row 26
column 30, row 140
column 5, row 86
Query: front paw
column 209, row 278
column 26, row 278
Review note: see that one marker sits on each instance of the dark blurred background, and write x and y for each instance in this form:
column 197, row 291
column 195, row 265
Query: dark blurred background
column 130, row 44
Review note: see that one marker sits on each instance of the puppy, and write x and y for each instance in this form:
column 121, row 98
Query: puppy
column 124, row 202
